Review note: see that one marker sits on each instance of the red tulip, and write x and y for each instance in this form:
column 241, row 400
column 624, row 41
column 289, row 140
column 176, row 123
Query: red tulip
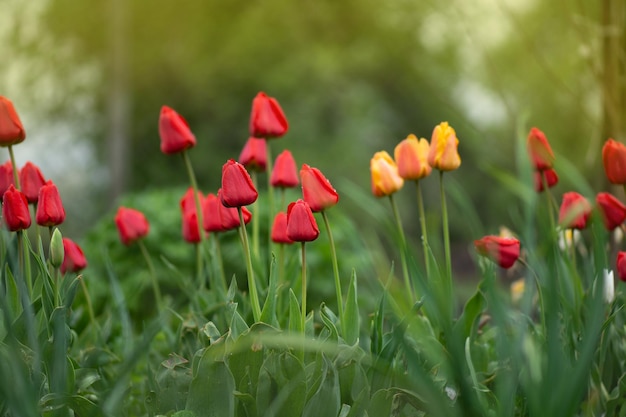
column 612, row 210
column 254, row 155
column 237, row 187
column 316, row 189
column 219, row 218
column 502, row 250
column 548, row 176
column 6, row 177
column 50, row 211
column 131, row 225
column 11, row 129
column 279, row 229
column 230, row 217
column 74, row 259
column 285, row 171
column 15, row 210
column 614, row 161
column 267, row 119
column 621, row 265
column 188, row 202
column 31, row 180
column 174, row 131
column 190, row 227
column 301, row 225
column 540, row 151
column 574, row 212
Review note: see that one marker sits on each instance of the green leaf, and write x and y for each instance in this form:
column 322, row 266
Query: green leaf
column 237, row 324
column 351, row 314
column 12, row 294
column 333, row 335
column 211, row 393
column 471, row 312
column 376, row 336
column 380, row 404
column 70, row 292
column 295, row 317
column 268, row 314
column 326, row 400
column 184, row 413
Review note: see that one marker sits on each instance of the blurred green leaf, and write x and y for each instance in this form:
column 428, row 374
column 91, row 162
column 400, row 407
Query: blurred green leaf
column 352, row 319
column 211, row 393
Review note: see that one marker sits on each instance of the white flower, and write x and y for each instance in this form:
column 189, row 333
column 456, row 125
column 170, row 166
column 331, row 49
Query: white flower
column 609, row 286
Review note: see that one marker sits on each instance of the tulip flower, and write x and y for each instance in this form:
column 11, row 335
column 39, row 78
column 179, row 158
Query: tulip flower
column 279, row 229
column 50, row 211
column 188, row 203
column 237, row 187
column 11, row 129
column 211, row 213
column 15, row 210
column 301, row 225
column 614, row 161
column 267, row 119
column 502, row 250
column 547, row 177
column 574, row 212
column 131, row 225
column 74, row 259
column 31, row 180
column 317, row 191
column 443, row 154
column 621, row 265
column 229, row 217
column 191, row 232
column 612, row 210
column 385, row 177
column 253, row 156
column 174, row 131
column 539, row 149
column 411, row 156
column 6, row 177
column 285, row 171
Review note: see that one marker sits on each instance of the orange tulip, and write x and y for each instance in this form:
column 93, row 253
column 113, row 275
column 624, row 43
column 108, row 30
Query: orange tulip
column 385, row 177
column 614, row 161
column 443, row 153
column 411, row 155
column 11, row 129
column 540, row 151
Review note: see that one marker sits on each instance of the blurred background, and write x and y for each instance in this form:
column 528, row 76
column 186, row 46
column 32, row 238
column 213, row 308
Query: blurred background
column 354, row 77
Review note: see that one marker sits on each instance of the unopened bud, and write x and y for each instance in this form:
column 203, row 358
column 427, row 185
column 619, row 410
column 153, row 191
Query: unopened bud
column 57, row 253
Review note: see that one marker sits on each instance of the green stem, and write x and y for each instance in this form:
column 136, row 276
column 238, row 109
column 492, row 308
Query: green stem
column 446, row 240
column 194, row 185
column 254, row 298
column 281, row 263
column 155, row 283
column 270, row 199
column 255, row 224
column 199, row 278
column 552, row 206
column 22, row 253
column 333, row 253
column 303, row 312
column 92, row 316
column 422, row 214
column 220, row 261
column 16, row 177
column 405, row 267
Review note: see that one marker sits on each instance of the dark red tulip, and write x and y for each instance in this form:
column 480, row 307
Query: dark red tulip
column 612, row 210
column 621, row 265
column 74, row 259
column 50, row 211
column 31, row 180
column 211, row 213
column 6, row 177
column 267, row 119
column 316, row 189
column 285, row 171
column 188, row 202
column 190, row 227
column 174, row 131
column 279, row 229
column 301, row 225
column 131, row 225
column 237, row 187
column 254, row 155
column 548, row 176
column 504, row 251
column 574, row 212
column 15, row 210
column 11, row 129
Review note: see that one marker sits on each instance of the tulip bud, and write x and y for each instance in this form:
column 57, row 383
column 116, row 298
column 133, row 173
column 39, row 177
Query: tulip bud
column 57, row 253
column 540, row 151
column 6, row 177
column 188, row 202
column 612, row 210
column 443, row 154
column 190, row 227
column 50, row 211
column 621, row 265
column 15, row 210
column 411, row 156
column 574, row 212
column 267, row 119
column 614, row 161
column 285, row 172
column 174, row 131
column 279, row 229
column 31, row 180
column 254, row 155
column 385, row 178
column 237, row 187
column 211, row 213
column 301, row 225
column 502, row 250
column 131, row 225
column 317, row 191
column 547, row 177
column 74, row 259
column 11, row 129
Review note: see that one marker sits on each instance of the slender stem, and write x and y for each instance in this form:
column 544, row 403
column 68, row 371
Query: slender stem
column 281, row 263
column 92, row 316
column 16, row 177
column 254, row 298
column 199, row 276
column 220, row 261
column 333, row 253
column 303, row 318
column 270, row 199
column 155, row 283
column 256, row 223
column 194, row 185
column 282, row 198
column 405, row 267
column 446, row 239
column 422, row 214
column 21, row 252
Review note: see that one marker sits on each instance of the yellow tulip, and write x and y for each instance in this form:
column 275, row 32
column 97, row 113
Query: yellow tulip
column 443, row 153
column 385, row 178
column 411, row 155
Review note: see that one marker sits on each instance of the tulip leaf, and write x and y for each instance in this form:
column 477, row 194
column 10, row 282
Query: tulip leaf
column 325, row 401
column 333, row 335
column 211, row 392
column 295, row 316
column 268, row 314
column 351, row 314
column 471, row 312
column 12, row 296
